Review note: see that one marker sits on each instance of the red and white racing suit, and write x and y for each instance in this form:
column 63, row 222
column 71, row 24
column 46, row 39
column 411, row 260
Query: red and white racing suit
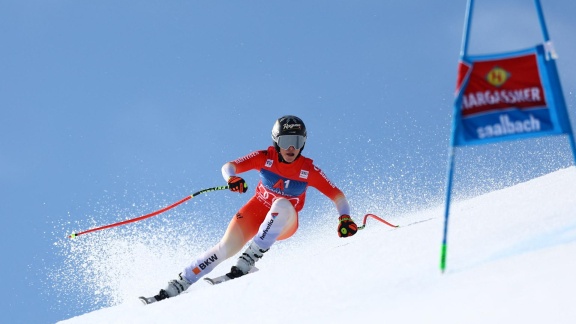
column 272, row 213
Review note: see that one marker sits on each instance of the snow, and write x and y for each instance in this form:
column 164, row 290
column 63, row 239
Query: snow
column 510, row 260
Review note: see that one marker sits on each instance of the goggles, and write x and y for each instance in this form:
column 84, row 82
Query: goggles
column 285, row 141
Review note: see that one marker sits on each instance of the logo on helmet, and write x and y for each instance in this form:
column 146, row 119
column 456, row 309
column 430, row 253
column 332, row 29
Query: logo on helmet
column 292, row 126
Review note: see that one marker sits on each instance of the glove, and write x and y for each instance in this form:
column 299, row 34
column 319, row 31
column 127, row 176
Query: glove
column 237, row 184
column 346, row 226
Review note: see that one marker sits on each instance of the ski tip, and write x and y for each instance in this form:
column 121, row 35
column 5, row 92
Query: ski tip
column 209, row 280
column 146, row 301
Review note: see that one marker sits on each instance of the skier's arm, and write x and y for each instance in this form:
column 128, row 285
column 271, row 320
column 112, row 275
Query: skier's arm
column 342, row 204
column 228, row 170
column 321, row 182
column 346, row 226
column 251, row 161
column 243, row 164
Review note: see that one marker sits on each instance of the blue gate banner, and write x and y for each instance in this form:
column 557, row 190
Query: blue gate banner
column 508, row 96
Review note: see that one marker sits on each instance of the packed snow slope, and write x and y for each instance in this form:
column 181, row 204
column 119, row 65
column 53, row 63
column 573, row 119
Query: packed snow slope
column 510, row 260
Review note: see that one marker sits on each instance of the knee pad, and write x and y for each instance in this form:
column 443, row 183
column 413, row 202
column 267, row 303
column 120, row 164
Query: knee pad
column 282, row 206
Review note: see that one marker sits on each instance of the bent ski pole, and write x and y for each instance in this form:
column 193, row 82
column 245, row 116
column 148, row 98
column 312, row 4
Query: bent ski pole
column 73, row 235
column 377, row 218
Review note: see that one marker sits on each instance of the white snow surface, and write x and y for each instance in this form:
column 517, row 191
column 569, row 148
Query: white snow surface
column 511, row 259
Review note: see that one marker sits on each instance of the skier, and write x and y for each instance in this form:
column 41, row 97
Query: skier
column 272, row 213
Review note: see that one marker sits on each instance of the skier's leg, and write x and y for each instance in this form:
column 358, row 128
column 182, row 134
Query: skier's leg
column 280, row 223
column 243, row 226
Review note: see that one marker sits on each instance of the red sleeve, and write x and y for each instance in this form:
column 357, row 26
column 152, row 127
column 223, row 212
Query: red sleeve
column 320, row 181
column 252, row 161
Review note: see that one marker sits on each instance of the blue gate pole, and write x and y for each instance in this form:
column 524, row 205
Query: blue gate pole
column 556, row 77
column 541, row 19
column 450, row 176
column 467, row 24
column 455, row 121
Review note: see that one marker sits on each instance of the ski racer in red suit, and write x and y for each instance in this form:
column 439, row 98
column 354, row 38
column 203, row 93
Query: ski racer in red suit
column 272, row 213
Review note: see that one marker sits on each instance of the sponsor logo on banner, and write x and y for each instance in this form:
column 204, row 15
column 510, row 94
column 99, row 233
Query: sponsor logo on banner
column 505, row 126
column 497, row 76
column 502, row 84
column 502, row 97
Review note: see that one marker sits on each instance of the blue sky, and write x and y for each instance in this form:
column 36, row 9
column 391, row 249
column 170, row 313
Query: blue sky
column 112, row 109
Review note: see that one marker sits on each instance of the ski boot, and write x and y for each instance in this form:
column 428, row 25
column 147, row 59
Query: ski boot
column 174, row 288
column 246, row 261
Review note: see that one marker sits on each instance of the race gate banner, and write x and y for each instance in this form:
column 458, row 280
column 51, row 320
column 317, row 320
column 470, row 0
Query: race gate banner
column 508, row 96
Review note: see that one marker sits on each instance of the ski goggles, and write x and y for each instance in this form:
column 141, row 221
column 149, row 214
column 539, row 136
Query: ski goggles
column 285, row 141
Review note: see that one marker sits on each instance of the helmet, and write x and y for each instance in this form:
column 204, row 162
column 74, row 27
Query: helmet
column 289, row 131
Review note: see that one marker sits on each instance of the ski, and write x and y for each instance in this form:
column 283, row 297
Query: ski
column 224, row 278
column 212, row 281
column 147, row 300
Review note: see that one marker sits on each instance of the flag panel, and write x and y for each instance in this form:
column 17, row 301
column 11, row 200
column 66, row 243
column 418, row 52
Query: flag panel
column 506, row 96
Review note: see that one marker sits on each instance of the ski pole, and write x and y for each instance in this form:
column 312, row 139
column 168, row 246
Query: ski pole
column 377, row 218
column 73, row 235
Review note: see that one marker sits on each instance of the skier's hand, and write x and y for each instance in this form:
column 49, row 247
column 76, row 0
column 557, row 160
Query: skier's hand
column 237, row 184
column 346, row 226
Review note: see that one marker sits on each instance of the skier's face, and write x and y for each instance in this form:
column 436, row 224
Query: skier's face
column 290, row 154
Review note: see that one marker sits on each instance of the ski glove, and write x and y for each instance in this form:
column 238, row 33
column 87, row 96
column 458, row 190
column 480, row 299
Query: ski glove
column 346, row 226
column 237, row 184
